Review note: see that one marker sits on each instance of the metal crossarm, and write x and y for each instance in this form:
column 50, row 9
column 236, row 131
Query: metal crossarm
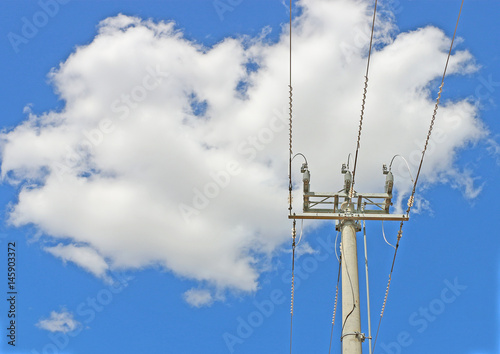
column 362, row 206
column 350, row 216
column 329, row 202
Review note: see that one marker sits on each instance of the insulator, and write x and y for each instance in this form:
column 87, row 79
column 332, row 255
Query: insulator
column 335, row 305
column 385, row 298
column 410, row 201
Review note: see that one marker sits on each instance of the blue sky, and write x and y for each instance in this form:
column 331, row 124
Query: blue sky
column 107, row 262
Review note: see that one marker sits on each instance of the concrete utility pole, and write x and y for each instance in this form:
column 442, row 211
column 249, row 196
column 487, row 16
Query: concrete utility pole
column 351, row 317
column 349, row 207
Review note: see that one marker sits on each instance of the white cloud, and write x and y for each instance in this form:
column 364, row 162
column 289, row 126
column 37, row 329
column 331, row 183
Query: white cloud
column 304, row 248
column 162, row 157
column 85, row 257
column 198, row 297
column 494, row 149
column 465, row 182
column 59, row 322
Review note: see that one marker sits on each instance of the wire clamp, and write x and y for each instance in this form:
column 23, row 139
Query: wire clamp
column 360, row 336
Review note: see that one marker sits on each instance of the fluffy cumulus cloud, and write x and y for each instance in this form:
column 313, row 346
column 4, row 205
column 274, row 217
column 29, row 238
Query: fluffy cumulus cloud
column 198, row 297
column 173, row 154
column 59, row 322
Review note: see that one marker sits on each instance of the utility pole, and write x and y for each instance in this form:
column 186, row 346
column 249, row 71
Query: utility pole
column 349, row 208
column 351, row 316
column 351, row 336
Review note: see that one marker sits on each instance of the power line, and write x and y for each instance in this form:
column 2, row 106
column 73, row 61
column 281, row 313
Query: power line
column 367, row 291
column 290, row 122
column 412, row 197
column 363, row 103
column 352, row 293
column 350, row 190
column 293, row 284
column 335, row 304
column 290, row 183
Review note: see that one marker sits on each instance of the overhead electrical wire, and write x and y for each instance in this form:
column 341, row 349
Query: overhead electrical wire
column 351, row 193
column 336, row 299
column 385, row 239
column 412, row 197
column 290, row 184
column 407, row 166
column 301, row 231
column 290, row 121
column 349, row 157
column 352, row 293
column 336, row 254
column 299, row 154
column 293, row 283
column 367, row 292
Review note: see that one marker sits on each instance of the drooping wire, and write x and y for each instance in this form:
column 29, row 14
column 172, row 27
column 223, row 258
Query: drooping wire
column 302, row 220
column 352, row 292
column 407, row 166
column 385, row 239
column 367, row 292
column 336, row 254
column 412, row 197
column 301, row 231
column 349, row 157
column 336, row 299
column 293, row 283
column 351, row 193
column 300, row 154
